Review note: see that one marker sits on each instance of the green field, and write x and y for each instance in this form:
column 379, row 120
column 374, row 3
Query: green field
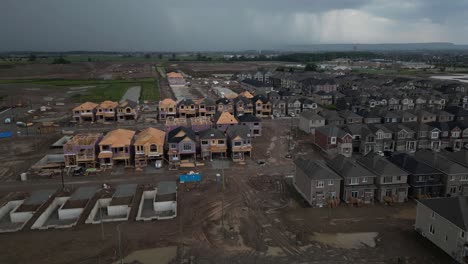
column 103, row 90
column 162, row 71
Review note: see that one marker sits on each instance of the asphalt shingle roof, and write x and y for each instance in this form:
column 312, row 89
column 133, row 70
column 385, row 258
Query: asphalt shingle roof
column 454, row 209
column 316, row 169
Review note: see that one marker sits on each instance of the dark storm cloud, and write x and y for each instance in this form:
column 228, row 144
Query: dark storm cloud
column 223, row 25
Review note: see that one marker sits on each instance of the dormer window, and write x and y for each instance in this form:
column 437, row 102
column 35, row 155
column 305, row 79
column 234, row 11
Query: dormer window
column 333, row 140
column 435, row 135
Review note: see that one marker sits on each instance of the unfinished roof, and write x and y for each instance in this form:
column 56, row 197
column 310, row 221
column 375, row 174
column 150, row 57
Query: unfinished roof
column 181, row 121
column 179, row 134
column 174, row 75
column 200, row 120
column 168, row 102
column 246, row 94
column 85, row 106
column 454, row 209
column 118, row 138
column 108, row 104
column 62, row 141
column 128, row 103
column 85, row 139
column 225, row 118
column 167, row 187
column 150, row 136
column 316, row 169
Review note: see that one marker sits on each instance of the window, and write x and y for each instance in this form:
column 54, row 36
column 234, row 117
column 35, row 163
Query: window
column 256, row 124
column 187, row 147
column 387, row 179
column 173, row 145
column 462, row 234
column 220, row 142
column 433, row 215
column 446, row 238
column 398, row 178
column 370, row 139
column 204, row 142
column 237, row 143
column 431, row 229
column 453, row 189
column 364, row 179
column 464, row 178
column 320, row 184
column 420, row 179
column 452, row 178
column 354, row 194
column 434, row 134
column 379, row 135
column 153, row 148
column 333, row 140
column 354, row 181
column 330, row 182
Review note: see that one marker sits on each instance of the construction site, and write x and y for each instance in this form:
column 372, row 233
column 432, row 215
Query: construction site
column 244, row 212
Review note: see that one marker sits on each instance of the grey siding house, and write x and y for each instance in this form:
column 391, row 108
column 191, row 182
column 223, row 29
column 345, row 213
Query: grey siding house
column 308, row 121
column 455, row 175
column 444, row 222
column 358, row 183
column 390, row 181
column 317, row 183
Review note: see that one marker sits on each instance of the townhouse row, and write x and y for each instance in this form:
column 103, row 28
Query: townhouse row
column 107, row 111
column 180, row 146
column 391, row 137
column 376, row 178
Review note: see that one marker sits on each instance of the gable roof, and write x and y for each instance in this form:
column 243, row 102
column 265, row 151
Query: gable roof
column 223, row 101
column 167, row 102
column 454, row 209
column 440, row 162
column 118, row 138
column 332, row 131
column 311, row 116
column 211, row 133
column 260, row 97
column 85, row 106
column 108, row 104
column 185, row 101
column 348, row 167
column 412, row 165
column 246, row 94
column 225, row 118
column 150, row 136
column 129, row 103
column 380, row 165
column 248, row 118
column 316, row 169
column 206, row 101
column 179, row 134
column 242, row 131
column 460, row 157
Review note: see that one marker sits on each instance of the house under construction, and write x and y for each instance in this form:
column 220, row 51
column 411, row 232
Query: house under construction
column 81, row 150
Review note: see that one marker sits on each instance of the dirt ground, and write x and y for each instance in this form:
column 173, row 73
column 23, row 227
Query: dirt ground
column 258, row 218
column 203, row 69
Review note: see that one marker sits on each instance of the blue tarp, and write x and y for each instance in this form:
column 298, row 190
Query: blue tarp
column 6, row 134
column 196, row 177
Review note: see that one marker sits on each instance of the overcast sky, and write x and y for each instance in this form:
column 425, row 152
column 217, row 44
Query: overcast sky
column 167, row 25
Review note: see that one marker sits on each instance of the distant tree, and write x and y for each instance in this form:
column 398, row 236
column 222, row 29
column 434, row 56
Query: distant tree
column 32, row 57
column 199, row 56
column 173, row 56
column 147, row 56
column 310, row 67
column 160, row 56
column 60, row 60
column 89, row 59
